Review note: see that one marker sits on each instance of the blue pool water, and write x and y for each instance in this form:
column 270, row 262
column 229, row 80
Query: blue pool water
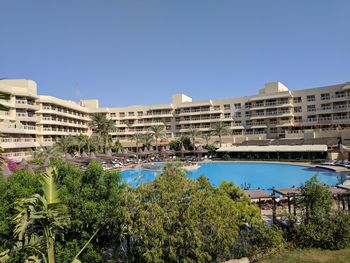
column 250, row 175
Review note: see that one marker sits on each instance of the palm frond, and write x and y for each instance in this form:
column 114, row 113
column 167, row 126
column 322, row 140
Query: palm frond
column 49, row 186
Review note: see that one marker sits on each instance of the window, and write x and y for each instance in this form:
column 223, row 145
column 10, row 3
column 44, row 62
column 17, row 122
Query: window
column 238, row 114
column 310, row 98
column 227, row 107
column 217, row 107
column 297, row 100
column 122, row 114
column 311, row 108
column 340, row 94
column 248, row 105
column 140, row 113
column 297, row 109
column 325, row 96
column 238, row 105
column 326, row 106
column 131, row 113
column 227, row 115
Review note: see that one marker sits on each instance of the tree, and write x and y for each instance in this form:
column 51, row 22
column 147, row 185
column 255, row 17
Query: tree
column 64, row 143
column 117, row 146
column 177, row 144
column 219, row 130
column 21, row 184
column 81, row 141
column 147, row 140
column 102, row 126
column 94, row 200
column 206, row 137
column 137, row 138
column 91, row 142
column 158, row 132
column 176, row 219
column 40, row 218
column 4, row 96
column 194, row 133
column 316, row 199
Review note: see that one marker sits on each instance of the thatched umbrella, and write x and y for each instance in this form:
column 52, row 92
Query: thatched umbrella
column 6, row 173
column 92, row 155
column 46, row 162
column 183, row 151
column 68, row 156
column 29, row 168
column 84, row 155
column 23, row 162
column 200, row 150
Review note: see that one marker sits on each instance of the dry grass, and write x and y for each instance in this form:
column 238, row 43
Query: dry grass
column 312, row 256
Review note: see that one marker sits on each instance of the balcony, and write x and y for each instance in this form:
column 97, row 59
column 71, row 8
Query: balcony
column 199, row 112
column 54, row 111
column 24, row 104
column 9, row 143
column 17, row 128
column 25, row 117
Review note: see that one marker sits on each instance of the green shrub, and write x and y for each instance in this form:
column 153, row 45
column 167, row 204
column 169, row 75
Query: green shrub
column 226, row 157
column 36, row 162
column 259, row 242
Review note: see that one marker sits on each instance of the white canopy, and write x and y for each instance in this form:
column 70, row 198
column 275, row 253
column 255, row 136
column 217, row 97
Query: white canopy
column 344, row 148
column 275, row 148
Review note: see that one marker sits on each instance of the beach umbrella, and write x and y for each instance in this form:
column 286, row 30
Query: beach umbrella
column 46, row 162
column 92, row 155
column 6, row 173
column 84, row 155
column 23, row 162
column 30, row 169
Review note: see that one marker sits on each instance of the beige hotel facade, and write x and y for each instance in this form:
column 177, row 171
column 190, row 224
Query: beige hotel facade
column 35, row 121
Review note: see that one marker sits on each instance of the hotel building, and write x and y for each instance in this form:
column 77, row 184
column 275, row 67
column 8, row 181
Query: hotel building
column 35, row 121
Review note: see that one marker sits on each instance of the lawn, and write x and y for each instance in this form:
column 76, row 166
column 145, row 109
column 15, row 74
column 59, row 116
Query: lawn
column 312, row 256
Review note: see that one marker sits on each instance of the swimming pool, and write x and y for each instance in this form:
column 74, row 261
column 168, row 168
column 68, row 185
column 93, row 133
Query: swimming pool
column 246, row 175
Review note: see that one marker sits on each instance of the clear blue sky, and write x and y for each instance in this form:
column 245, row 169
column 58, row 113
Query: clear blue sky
column 140, row 52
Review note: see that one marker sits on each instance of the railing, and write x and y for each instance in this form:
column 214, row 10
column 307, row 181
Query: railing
column 5, row 140
column 16, row 154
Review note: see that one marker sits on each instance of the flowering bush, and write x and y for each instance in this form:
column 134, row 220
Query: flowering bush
column 11, row 164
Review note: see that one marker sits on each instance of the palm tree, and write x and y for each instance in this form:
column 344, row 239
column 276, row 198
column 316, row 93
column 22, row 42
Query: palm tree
column 91, row 142
column 193, row 135
column 219, row 130
column 80, row 141
column 147, row 140
column 102, row 126
column 4, row 96
column 41, row 217
column 137, row 137
column 158, row 132
column 206, row 137
column 117, row 146
column 64, row 143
